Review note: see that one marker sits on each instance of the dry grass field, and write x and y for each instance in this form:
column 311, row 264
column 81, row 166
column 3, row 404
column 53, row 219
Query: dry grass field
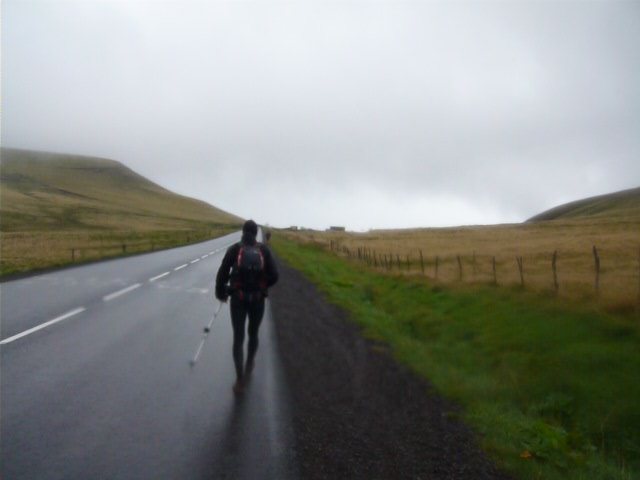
column 617, row 240
column 27, row 251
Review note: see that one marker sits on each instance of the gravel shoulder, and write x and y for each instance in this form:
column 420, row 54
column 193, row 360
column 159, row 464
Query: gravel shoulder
column 357, row 414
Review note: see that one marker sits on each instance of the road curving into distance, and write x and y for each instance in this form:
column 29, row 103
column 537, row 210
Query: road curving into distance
column 96, row 383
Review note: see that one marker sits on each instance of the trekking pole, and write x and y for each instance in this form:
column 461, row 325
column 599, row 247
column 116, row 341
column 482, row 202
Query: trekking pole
column 205, row 334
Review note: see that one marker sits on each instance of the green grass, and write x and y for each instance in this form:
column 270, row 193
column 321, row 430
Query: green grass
column 535, row 376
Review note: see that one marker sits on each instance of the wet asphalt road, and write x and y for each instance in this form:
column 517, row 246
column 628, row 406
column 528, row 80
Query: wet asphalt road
column 96, row 382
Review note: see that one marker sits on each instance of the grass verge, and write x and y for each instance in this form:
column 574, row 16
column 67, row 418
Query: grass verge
column 550, row 387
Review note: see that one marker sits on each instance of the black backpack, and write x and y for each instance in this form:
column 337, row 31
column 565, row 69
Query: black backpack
column 249, row 268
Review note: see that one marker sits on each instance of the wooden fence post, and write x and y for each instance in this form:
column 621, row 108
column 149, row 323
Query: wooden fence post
column 596, row 258
column 398, row 259
column 495, row 275
column 73, row 254
column 408, row 264
column 475, row 271
column 124, row 248
column 555, row 272
column 520, row 261
column 459, row 267
column 421, row 262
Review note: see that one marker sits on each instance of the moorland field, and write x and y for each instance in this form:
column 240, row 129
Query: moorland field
column 617, row 242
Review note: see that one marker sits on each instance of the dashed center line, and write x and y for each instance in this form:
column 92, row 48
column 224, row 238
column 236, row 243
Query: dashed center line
column 44, row 325
column 113, row 295
column 106, row 298
column 158, row 277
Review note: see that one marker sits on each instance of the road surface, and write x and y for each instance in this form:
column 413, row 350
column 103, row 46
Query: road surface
column 96, row 382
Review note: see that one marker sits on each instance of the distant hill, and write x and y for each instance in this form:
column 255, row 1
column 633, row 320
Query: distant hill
column 625, row 203
column 49, row 191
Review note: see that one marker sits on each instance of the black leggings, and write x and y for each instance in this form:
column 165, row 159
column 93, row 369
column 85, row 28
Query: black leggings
column 239, row 312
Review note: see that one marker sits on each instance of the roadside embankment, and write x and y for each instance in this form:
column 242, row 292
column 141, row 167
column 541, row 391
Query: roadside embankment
column 549, row 387
column 357, row 414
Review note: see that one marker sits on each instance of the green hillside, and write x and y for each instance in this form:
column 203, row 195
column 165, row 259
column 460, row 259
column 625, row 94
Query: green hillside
column 625, row 203
column 57, row 192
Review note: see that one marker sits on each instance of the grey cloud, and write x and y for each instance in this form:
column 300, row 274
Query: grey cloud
column 507, row 106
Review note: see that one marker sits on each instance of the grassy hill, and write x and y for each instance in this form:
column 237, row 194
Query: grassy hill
column 625, row 203
column 46, row 191
column 57, row 209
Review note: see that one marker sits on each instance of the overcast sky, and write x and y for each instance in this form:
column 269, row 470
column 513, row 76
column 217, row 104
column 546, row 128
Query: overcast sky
column 367, row 114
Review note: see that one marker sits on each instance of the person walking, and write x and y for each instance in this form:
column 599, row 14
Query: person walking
column 247, row 271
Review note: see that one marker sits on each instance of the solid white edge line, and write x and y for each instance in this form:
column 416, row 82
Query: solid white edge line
column 44, row 325
column 113, row 295
column 158, row 277
column 180, row 267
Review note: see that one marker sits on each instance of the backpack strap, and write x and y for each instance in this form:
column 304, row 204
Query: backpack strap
column 239, row 257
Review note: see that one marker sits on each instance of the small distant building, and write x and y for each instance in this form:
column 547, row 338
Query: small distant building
column 337, row 229
column 293, row 228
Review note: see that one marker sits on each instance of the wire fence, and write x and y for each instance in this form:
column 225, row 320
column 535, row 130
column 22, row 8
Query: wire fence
column 587, row 274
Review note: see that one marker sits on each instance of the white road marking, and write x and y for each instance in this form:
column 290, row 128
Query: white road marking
column 158, row 277
column 203, row 257
column 195, row 261
column 180, row 267
column 44, row 325
column 113, row 295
